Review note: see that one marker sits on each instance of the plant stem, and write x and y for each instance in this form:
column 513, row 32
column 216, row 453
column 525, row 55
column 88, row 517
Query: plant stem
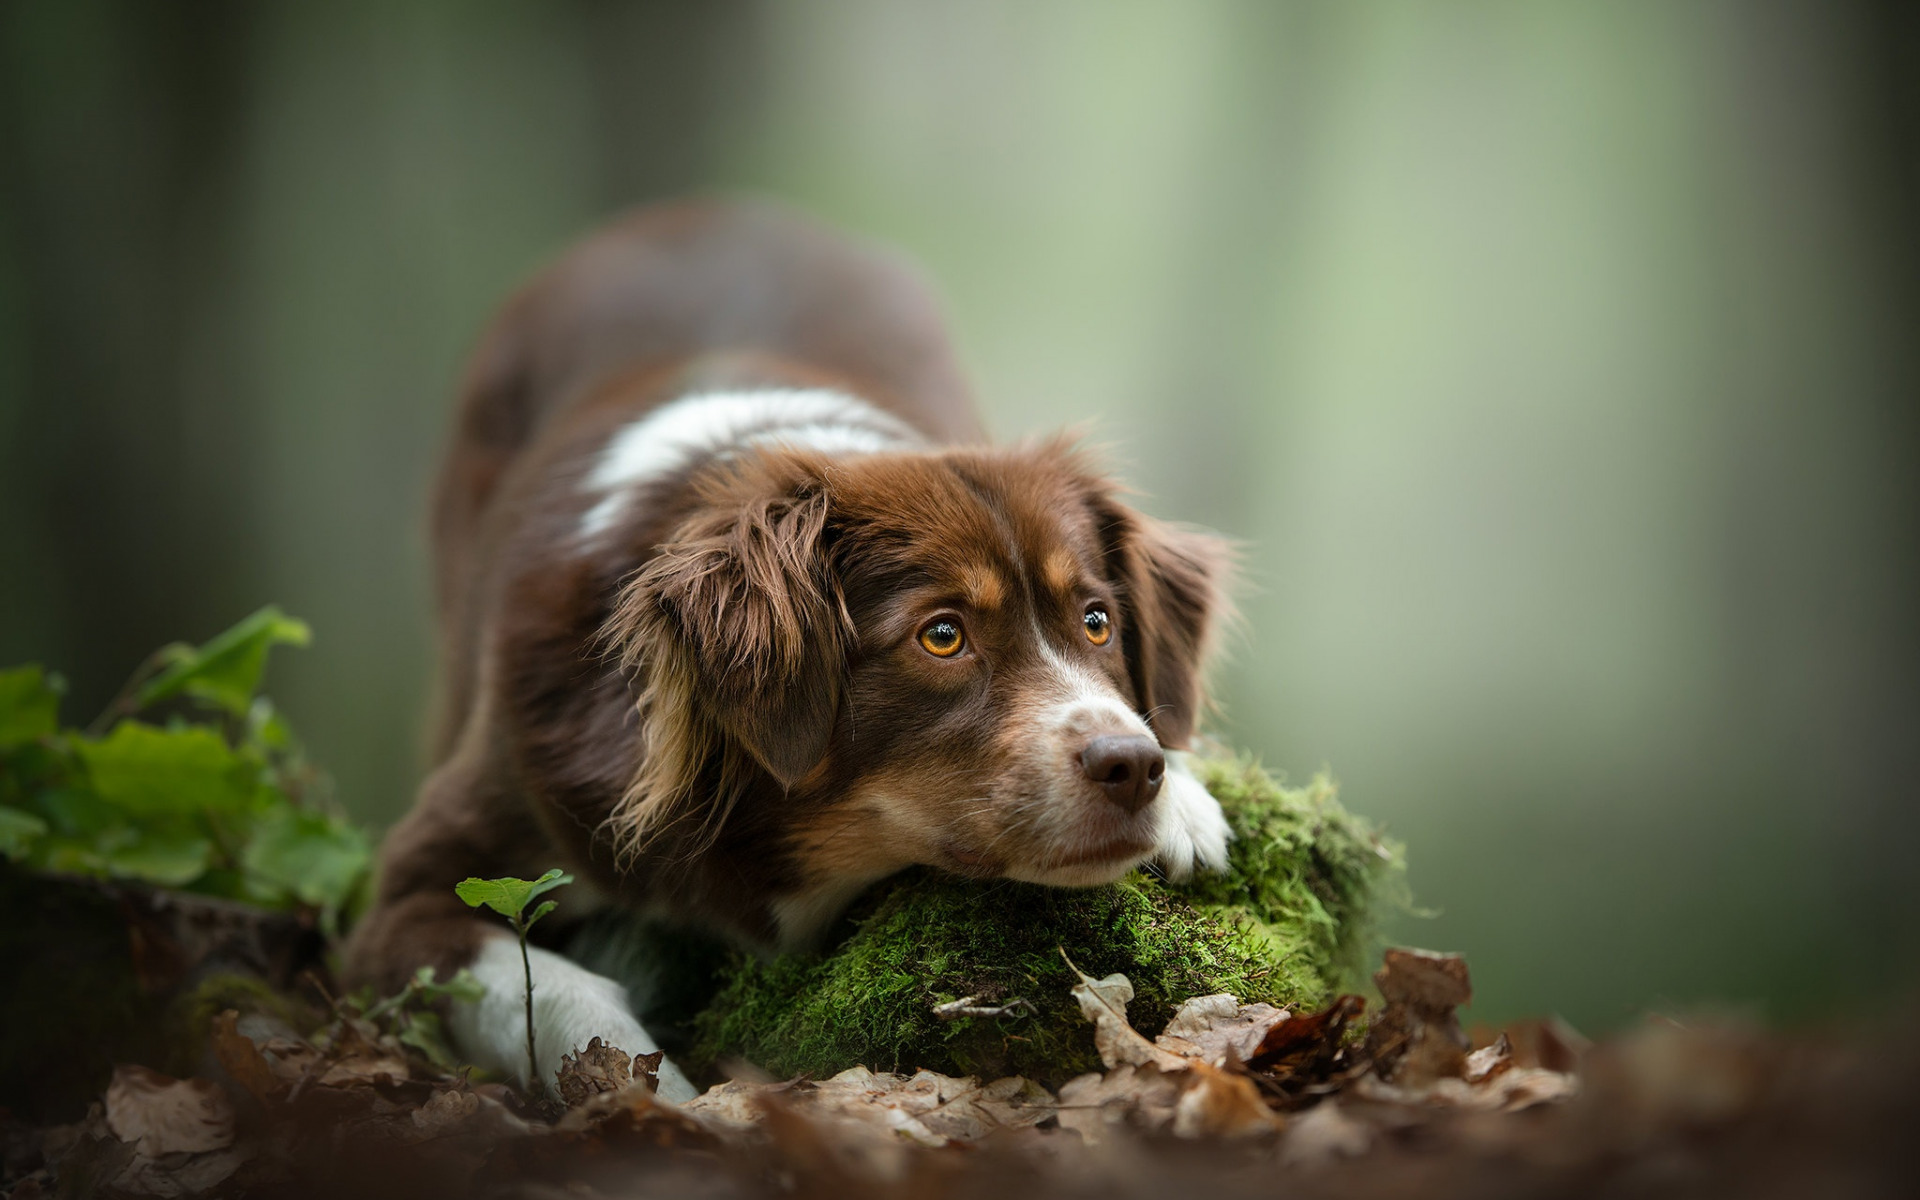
column 123, row 705
column 534, row 1082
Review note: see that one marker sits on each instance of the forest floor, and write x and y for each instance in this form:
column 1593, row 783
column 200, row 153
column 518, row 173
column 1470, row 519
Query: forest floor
column 1388, row 1100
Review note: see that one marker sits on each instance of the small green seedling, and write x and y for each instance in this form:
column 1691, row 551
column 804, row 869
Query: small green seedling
column 408, row 1014
column 509, row 897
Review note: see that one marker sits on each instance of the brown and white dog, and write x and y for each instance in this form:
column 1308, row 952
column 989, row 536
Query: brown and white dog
column 738, row 618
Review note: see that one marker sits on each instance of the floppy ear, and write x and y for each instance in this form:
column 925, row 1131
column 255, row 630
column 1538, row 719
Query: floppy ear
column 739, row 632
column 1172, row 587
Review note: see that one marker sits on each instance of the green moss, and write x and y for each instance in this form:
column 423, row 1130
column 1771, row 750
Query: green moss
column 189, row 1017
column 1288, row 923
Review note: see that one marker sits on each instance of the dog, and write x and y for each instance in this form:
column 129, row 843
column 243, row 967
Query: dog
column 739, row 615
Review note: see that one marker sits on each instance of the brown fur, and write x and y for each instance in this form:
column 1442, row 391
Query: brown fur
column 721, row 712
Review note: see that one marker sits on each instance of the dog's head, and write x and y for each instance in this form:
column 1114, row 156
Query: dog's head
column 970, row 659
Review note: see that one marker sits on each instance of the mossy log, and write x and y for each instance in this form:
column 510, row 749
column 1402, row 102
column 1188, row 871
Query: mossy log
column 1289, row 923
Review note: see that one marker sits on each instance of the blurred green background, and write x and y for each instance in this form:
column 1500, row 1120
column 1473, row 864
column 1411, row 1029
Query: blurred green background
column 1556, row 364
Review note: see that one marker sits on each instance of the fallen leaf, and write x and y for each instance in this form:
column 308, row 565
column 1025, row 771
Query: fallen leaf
column 163, row 1115
column 926, row 1107
column 193, row 1176
column 446, row 1111
column 1216, row 1103
column 1488, row 1061
column 366, row 1071
column 242, row 1060
column 1424, row 979
column 1510, row 1091
column 1213, row 1028
column 598, row 1068
column 1418, row 1038
column 1131, row 1097
column 290, row 1060
column 1306, row 1047
column 1104, row 1002
column 1551, row 1043
column 646, row 1069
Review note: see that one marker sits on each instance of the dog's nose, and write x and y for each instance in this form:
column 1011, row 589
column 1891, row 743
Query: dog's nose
column 1127, row 767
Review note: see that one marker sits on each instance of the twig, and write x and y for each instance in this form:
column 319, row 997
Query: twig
column 970, row 1006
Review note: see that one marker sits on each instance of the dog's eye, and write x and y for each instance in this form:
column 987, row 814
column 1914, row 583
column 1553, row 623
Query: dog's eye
column 942, row 638
column 1099, row 626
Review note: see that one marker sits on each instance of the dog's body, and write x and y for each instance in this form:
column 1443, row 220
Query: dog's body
column 737, row 620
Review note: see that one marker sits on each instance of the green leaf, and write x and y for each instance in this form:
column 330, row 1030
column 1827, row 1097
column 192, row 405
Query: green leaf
column 463, row 986
column 313, row 858
column 546, row 906
column 426, row 1033
column 226, row 671
column 170, row 859
column 75, row 811
column 29, row 704
column 555, row 878
column 144, row 771
column 508, row 896
column 68, row 856
column 18, row 832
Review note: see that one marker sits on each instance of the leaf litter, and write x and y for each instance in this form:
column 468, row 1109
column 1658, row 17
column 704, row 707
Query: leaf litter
column 1251, row 1098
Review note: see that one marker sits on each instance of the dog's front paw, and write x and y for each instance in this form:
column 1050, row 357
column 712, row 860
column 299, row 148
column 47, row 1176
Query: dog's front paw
column 1193, row 831
column 571, row 1007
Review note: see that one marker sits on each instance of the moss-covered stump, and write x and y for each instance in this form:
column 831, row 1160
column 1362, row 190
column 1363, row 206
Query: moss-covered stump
column 1287, row 923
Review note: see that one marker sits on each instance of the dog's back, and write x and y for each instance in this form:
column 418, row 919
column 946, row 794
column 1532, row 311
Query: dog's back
column 660, row 291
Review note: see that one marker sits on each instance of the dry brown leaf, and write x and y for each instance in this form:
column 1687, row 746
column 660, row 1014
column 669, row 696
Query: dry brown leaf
column 736, row 1102
column 598, row 1068
column 1524, row 1087
column 242, row 1060
column 1104, row 1002
column 1418, row 1038
column 646, row 1069
column 163, row 1115
column 290, row 1060
column 1483, row 1064
column 1012, row 1102
column 1212, row 1028
column 1509, row 1091
column 1551, row 1043
column 366, row 1071
column 1134, row 1097
column 1308, row 1049
column 926, row 1107
column 446, row 1111
column 1424, row 979
column 193, row 1176
column 1216, row 1103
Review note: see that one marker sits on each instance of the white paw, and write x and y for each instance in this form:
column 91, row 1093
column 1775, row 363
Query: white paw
column 571, row 1007
column 1193, row 831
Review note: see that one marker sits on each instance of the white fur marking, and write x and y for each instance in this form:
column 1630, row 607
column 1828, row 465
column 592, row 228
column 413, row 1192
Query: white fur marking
column 804, row 916
column 1193, row 832
column 672, row 437
column 1088, row 703
column 571, row 1006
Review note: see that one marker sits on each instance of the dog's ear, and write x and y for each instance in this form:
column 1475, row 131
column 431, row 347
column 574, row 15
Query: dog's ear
column 1172, row 583
column 739, row 632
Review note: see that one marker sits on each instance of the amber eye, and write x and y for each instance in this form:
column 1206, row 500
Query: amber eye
column 942, row 638
column 1099, row 626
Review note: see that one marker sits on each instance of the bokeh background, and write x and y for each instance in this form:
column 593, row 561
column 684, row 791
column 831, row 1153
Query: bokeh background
column 1555, row 363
